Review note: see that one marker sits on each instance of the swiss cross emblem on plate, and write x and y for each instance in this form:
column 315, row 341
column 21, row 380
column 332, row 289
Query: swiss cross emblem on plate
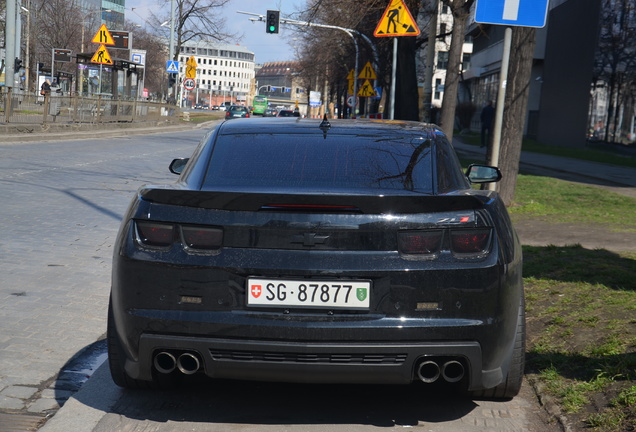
column 256, row 291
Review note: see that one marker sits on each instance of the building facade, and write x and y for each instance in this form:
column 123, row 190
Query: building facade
column 279, row 81
column 561, row 84
column 439, row 63
column 224, row 73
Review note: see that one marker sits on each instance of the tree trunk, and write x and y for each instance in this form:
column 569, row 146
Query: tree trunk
column 451, row 85
column 515, row 107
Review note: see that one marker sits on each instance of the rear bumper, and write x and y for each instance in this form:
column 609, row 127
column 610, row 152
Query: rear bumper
column 372, row 363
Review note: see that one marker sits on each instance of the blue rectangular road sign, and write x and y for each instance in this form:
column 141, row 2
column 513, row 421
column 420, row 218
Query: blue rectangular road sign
column 172, row 66
column 524, row 13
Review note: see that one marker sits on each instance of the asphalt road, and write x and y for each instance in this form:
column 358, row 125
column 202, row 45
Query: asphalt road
column 62, row 202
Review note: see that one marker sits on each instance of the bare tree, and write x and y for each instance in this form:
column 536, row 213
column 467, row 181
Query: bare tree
column 363, row 16
column 156, row 56
column 615, row 63
column 461, row 11
column 515, row 106
column 194, row 20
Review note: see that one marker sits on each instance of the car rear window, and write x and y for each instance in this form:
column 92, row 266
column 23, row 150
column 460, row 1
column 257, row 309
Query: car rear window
column 311, row 162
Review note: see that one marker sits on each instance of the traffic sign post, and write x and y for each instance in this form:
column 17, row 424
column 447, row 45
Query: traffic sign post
column 522, row 13
column 172, row 66
column 396, row 21
column 189, row 84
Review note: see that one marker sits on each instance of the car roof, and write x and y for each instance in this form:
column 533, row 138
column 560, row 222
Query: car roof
column 289, row 125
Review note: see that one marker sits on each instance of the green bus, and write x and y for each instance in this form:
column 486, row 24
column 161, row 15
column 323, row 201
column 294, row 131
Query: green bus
column 260, row 105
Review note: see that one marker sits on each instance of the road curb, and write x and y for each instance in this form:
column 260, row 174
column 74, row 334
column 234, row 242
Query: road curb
column 83, row 411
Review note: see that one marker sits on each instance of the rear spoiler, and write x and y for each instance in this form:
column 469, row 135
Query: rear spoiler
column 280, row 202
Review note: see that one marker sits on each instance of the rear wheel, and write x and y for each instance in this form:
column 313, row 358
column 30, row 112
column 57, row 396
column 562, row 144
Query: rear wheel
column 511, row 386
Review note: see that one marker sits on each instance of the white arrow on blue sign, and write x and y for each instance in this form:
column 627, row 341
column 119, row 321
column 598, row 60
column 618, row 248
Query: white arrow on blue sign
column 172, row 66
column 524, row 13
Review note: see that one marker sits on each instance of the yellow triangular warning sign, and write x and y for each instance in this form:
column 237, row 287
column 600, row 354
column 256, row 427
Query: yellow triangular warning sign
column 396, row 21
column 351, row 75
column 367, row 90
column 192, row 62
column 102, row 56
column 367, row 72
column 103, row 36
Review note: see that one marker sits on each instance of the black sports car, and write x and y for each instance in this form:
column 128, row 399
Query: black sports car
column 342, row 251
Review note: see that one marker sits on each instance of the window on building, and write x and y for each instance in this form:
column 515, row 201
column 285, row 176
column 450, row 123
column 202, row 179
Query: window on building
column 466, row 61
column 442, row 60
column 438, row 89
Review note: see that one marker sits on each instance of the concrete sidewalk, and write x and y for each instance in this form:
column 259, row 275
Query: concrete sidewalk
column 618, row 178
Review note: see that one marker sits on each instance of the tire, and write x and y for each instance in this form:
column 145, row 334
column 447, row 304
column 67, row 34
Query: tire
column 511, row 386
column 117, row 358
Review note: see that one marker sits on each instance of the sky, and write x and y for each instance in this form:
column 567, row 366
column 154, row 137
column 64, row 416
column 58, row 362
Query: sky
column 266, row 47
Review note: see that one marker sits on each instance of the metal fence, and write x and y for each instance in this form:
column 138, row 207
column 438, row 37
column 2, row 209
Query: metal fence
column 18, row 108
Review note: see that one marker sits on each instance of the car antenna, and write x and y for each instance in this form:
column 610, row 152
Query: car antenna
column 325, row 126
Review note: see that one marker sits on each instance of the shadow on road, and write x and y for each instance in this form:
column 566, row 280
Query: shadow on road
column 202, row 400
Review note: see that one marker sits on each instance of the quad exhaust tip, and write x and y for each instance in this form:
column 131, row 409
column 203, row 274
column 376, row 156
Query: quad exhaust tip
column 165, row 362
column 429, row 371
column 187, row 363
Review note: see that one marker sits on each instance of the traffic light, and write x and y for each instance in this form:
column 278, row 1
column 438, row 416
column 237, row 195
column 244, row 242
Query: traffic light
column 273, row 21
column 171, row 81
column 18, row 64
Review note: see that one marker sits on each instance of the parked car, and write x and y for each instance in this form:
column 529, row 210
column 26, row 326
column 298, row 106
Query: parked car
column 237, row 111
column 295, row 250
column 287, row 113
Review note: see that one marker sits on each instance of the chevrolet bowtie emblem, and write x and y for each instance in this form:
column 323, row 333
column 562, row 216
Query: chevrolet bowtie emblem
column 309, row 239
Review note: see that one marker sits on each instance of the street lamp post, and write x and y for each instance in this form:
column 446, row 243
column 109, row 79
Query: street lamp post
column 27, row 64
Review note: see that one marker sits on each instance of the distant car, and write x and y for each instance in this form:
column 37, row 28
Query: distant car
column 295, row 250
column 215, row 107
column 286, row 113
column 237, row 111
column 269, row 112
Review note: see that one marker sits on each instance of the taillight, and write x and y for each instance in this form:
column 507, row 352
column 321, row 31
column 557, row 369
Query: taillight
column 202, row 238
column 155, row 234
column 470, row 243
column 420, row 242
column 227, row 114
column 462, row 243
column 247, row 115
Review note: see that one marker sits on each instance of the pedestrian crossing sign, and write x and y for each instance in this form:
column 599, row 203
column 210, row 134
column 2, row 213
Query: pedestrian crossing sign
column 172, row 66
column 396, row 21
column 102, row 56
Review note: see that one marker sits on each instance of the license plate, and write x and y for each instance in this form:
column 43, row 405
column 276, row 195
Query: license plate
column 342, row 294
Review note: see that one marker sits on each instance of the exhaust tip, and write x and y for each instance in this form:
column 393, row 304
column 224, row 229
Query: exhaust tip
column 188, row 363
column 165, row 362
column 428, row 371
column 453, row 371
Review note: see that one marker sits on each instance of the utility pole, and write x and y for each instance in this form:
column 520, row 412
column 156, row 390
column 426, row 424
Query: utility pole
column 9, row 53
column 171, row 49
column 430, row 63
column 350, row 32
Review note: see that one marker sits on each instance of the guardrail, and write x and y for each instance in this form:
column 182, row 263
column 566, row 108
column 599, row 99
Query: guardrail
column 18, row 108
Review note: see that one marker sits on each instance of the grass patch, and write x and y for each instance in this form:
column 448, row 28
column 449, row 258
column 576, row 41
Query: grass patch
column 568, row 202
column 581, row 309
column 202, row 116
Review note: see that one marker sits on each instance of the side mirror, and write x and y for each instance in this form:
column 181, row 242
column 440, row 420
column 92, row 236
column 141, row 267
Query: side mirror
column 177, row 165
column 483, row 174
